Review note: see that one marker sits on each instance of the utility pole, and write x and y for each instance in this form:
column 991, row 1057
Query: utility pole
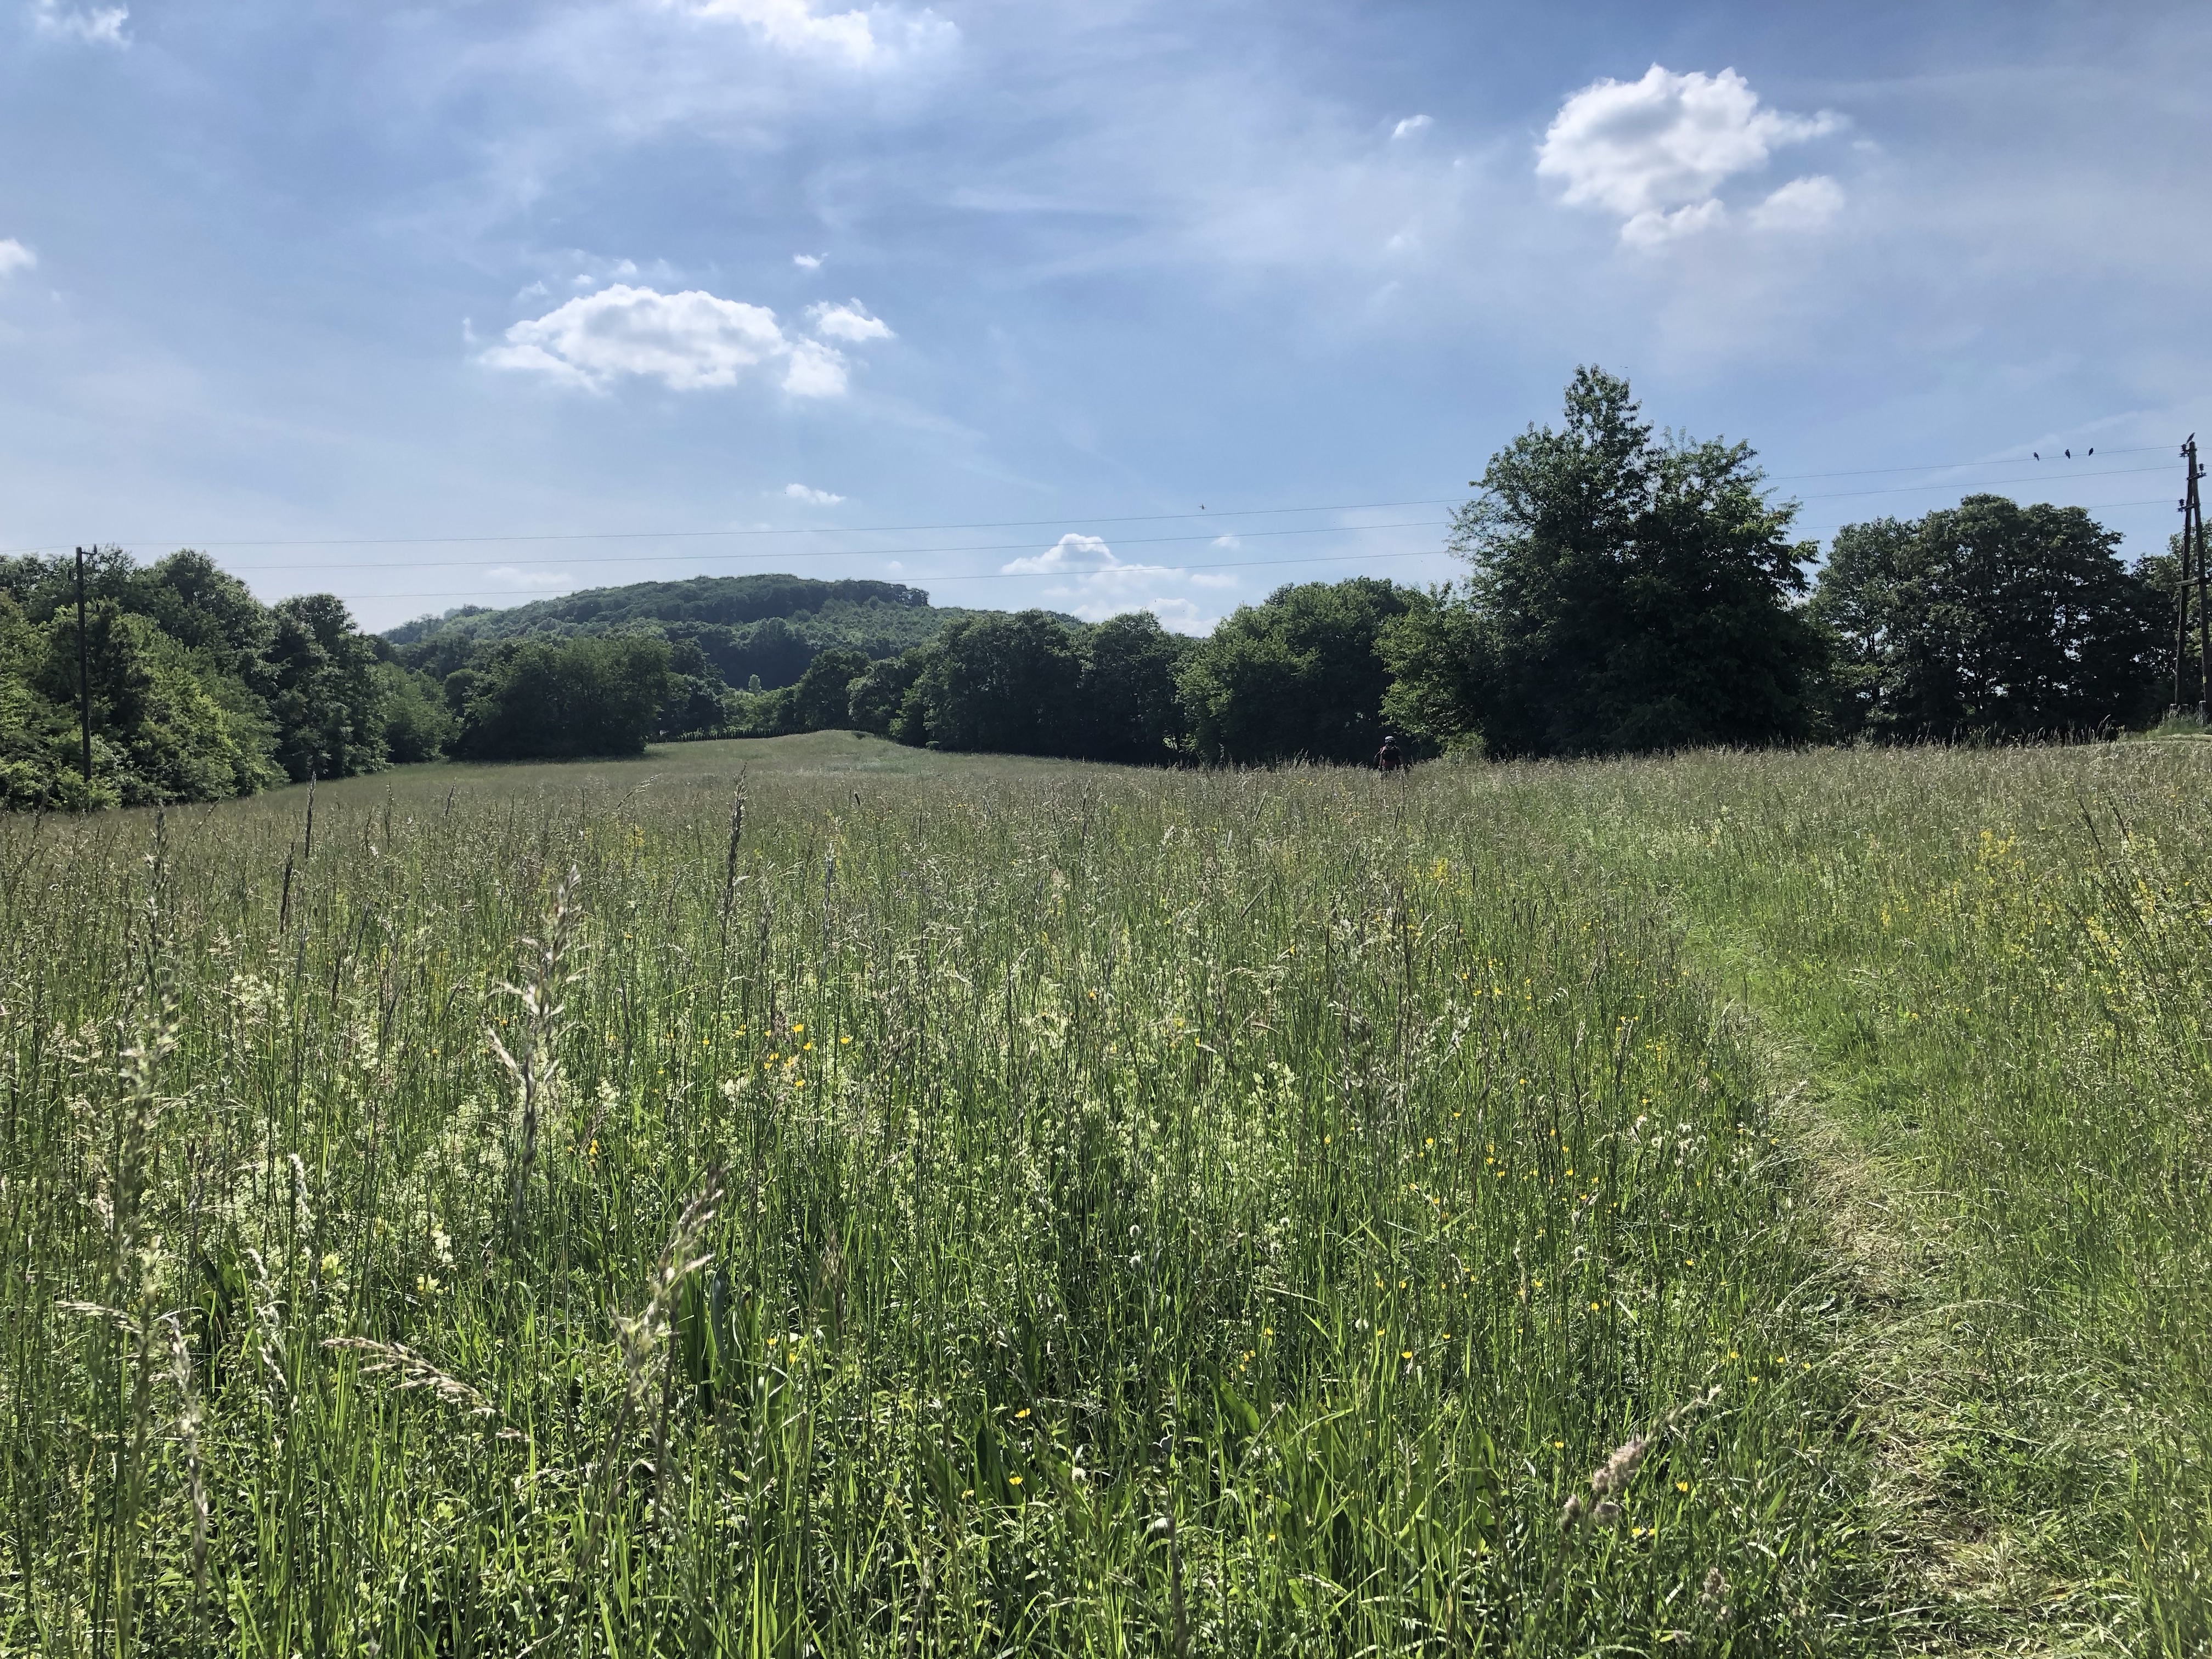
column 2195, row 519
column 2181, row 601
column 85, row 689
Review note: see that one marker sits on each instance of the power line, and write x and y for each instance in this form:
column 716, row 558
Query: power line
column 1212, row 514
column 1937, row 467
column 892, row 552
column 911, row 577
column 986, row 575
column 1970, row 483
column 793, row 529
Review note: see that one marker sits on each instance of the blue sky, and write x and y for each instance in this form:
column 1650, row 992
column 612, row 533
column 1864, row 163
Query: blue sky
column 327, row 289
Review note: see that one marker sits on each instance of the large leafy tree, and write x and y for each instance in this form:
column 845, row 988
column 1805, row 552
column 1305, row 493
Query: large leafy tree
column 1127, row 703
column 1006, row 683
column 1300, row 677
column 1629, row 591
column 1990, row 619
column 323, row 689
column 536, row 698
column 157, row 735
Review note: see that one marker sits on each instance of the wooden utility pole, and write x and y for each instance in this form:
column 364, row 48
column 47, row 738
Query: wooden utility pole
column 83, row 683
column 2193, row 520
column 2181, row 606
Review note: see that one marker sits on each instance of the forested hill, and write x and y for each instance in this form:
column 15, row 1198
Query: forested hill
column 767, row 626
column 731, row 600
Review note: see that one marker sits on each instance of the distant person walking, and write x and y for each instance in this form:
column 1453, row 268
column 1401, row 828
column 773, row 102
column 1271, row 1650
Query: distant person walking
column 1389, row 757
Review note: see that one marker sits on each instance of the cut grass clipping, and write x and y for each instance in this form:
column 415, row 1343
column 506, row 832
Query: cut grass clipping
column 656, row 1210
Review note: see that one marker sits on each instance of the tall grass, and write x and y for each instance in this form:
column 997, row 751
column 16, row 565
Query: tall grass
column 1060, row 1210
column 1990, row 971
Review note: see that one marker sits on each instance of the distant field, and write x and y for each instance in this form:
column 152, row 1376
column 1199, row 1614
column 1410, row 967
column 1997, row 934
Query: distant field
column 1735, row 1204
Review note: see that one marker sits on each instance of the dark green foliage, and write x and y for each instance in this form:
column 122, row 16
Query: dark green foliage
column 207, row 692
column 323, row 690
column 157, row 736
column 1006, row 682
column 822, row 701
column 771, row 650
column 418, row 725
column 1129, row 708
column 1630, row 592
column 695, row 702
column 1991, row 620
column 39, row 734
column 1300, row 678
column 539, row 698
column 872, row 702
column 767, row 626
column 1431, row 653
column 727, row 601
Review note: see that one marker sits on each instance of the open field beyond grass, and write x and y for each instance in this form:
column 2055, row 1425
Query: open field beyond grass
column 1736, row 1203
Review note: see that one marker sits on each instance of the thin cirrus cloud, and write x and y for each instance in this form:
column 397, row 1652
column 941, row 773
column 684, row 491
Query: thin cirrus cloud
column 1412, row 125
column 688, row 341
column 15, row 257
column 1096, row 585
column 95, row 26
column 859, row 40
column 1657, row 152
column 508, row 575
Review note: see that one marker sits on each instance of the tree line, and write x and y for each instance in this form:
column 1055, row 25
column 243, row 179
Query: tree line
column 1627, row 591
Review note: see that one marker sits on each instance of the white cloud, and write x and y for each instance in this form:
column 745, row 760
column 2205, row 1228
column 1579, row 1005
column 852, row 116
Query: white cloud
column 849, row 321
column 807, row 261
column 849, row 37
column 799, row 492
column 688, row 341
column 621, row 270
column 1226, row 543
column 1651, row 227
column 1212, row 578
column 1181, row 614
column 1071, row 552
column 15, row 257
column 97, row 26
column 1804, row 203
column 1410, row 126
column 1096, row 585
column 513, row 576
column 816, row 371
column 1655, row 151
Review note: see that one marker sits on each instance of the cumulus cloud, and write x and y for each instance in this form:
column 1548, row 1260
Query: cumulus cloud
column 807, row 261
column 849, row 321
column 15, row 257
column 688, row 341
column 1657, row 151
column 1804, row 203
column 1071, row 552
column 1095, row 585
column 509, row 576
column 97, row 26
column 799, row 492
column 1410, row 126
column 816, row 371
column 854, row 38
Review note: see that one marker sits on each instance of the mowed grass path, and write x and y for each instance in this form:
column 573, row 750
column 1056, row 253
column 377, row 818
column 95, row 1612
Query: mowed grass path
column 977, row 1205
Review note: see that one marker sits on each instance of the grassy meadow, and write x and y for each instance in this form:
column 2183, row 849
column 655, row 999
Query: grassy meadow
column 811, row 1197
